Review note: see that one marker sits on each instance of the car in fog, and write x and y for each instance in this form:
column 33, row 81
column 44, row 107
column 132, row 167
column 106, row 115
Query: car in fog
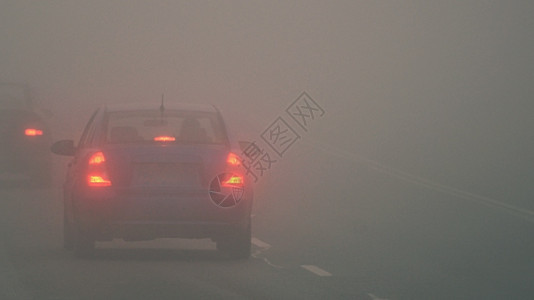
column 24, row 134
column 141, row 172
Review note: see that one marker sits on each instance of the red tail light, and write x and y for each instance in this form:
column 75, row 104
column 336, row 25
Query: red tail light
column 97, row 175
column 233, row 159
column 165, row 138
column 33, row 132
column 97, row 180
column 97, row 158
column 234, row 181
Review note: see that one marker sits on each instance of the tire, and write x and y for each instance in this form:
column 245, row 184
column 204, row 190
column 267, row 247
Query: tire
column 68, row 234
column 236, row 245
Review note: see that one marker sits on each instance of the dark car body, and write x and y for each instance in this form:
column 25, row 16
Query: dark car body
column 25, row 136
column 141, row 172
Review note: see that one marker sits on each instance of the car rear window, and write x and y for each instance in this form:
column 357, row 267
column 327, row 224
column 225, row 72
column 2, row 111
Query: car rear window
column 169, row 127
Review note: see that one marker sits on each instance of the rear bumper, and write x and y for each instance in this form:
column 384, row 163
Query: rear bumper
column 137, row 231
column 145, row 216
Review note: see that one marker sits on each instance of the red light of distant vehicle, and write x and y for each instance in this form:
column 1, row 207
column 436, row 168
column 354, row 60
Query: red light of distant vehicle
column 165, row 139
column 234, row 180
column 233, row 159
column 33, row 132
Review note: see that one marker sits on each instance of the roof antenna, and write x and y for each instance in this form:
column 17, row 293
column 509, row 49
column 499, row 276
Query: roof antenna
column 162, row 107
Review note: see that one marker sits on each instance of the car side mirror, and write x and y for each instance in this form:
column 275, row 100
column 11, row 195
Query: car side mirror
column 64, row 147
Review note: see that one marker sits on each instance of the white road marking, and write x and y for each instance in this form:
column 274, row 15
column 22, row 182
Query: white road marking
column 260, row 244
column 377, row 166
column 268, row 262
column 316, row 270
column 262, row 247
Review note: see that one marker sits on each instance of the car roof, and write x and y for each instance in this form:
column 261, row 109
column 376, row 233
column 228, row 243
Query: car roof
column 169, row 105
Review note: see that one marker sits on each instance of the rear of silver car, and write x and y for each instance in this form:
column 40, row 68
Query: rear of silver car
column 142, row 186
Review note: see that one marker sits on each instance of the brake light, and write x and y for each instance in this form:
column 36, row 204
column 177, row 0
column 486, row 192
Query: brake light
column 233, row 159
column 97, row 180
column 234, row 180
column 165, row 139
column 33, row 132
column 97, row 158
column 97, row 175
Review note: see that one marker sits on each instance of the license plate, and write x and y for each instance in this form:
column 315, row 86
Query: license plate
column 166, row 175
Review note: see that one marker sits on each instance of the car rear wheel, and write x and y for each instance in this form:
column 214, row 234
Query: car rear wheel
column 237, row 244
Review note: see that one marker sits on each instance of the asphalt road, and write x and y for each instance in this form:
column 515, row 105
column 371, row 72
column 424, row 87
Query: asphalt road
column 363, row 234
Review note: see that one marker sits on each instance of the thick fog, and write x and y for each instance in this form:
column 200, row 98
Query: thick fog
column 438, row 94
column 440, row 90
